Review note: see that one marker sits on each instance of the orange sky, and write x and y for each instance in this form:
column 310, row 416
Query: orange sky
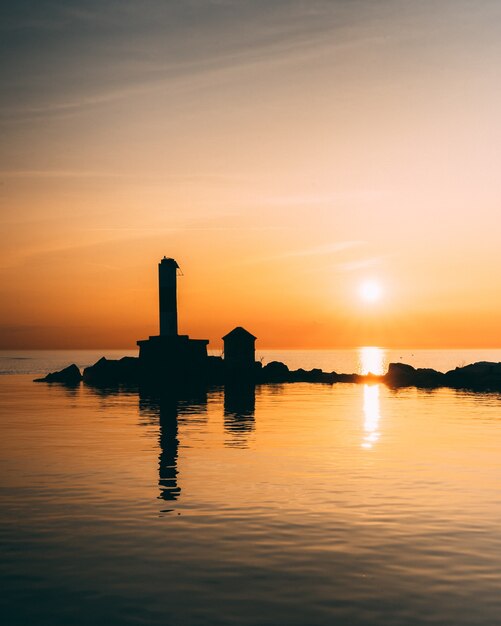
column 281, row 152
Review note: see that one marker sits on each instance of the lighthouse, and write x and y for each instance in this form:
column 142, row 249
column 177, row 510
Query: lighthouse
column 168, row 356
column 167, row 292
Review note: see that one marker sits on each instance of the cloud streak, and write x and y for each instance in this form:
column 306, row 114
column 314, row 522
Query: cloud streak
column 315, row 251
column 359, row 264
column 171, row 49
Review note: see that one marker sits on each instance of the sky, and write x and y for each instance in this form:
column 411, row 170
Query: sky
column 283, row 152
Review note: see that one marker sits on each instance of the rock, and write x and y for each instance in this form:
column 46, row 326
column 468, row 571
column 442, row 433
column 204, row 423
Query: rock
column 69, row 375
column 275, row 372
column 312, row 376
column 428, row 377
column 347, row 378
column 400, row 374
column 482, row 375
column 112, row 372
column 403, row 375
column 298, row 375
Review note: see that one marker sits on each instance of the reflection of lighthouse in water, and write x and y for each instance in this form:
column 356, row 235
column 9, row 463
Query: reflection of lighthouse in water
column 166, row 409
column 169, row 444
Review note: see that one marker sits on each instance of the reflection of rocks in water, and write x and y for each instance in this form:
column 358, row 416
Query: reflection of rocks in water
column 239, row 408
column 69, row 390
column 166, row 408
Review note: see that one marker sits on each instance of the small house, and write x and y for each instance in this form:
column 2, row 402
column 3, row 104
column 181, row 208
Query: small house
column 239, row 349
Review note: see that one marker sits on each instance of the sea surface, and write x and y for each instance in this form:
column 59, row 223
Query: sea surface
column 299, row 504
column 357, row 360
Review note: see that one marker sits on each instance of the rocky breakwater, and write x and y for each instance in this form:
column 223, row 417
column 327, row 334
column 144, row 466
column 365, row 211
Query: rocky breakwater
column 482, row 376
column 112, row 372
column 103, row 372
column 277, row 372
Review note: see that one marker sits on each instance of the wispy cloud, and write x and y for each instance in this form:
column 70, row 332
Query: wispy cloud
column 56, row 174
column 206, row 177
column 315, row 251
column 166, row 229
column 258, row 35
column 65, row 107
column 330, row 248
column 348, row 195
column 352, row 266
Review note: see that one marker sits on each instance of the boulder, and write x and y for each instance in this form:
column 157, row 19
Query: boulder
column 400, row 374
column 481, row 375
column 312, row 376
column 69, row 376
column 275, row 372
column 111, row 372
column 299, row 375
column 403, row 375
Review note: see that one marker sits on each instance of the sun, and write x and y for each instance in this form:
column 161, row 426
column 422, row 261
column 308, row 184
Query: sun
column 370, row 291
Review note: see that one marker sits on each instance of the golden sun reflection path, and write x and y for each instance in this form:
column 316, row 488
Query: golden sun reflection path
column 372, row 361
column 372, row 415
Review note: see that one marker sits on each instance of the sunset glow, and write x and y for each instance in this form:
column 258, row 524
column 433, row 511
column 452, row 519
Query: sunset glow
column 370, row 291
column 281, row 153
column 250, row 336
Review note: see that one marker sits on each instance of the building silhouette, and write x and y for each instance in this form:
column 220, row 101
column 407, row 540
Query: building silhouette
column 170, row 356
column 239, row 351
column 173, row 358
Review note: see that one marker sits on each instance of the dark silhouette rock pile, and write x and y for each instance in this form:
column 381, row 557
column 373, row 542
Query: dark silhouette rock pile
column 69, row 376
column 112, row 372
column 481, row 376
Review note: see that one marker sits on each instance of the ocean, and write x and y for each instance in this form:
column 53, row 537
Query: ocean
column 295, row 504
column 356, row 360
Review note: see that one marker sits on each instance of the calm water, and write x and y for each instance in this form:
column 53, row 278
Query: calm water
column 360, row 360
column 302, row 505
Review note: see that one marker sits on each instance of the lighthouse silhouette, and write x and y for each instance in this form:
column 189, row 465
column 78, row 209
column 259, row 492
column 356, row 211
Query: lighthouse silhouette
column 167, row 292
column 170, row 356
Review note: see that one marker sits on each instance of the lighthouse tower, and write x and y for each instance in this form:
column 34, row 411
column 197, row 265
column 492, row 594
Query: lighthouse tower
column 170, row 357
column 167, row 291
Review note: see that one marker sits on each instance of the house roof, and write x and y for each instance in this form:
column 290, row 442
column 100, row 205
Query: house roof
column 238, row 332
